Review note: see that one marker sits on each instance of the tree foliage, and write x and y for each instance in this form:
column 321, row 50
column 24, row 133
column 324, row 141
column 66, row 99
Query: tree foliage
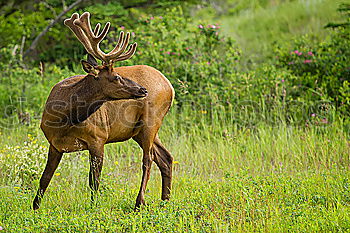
column 306, row 77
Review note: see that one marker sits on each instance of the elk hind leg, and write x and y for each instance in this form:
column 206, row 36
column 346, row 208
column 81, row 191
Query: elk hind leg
column 164, row 161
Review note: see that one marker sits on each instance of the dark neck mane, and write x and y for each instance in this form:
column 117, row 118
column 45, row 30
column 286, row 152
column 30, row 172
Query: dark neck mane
column 76, row 102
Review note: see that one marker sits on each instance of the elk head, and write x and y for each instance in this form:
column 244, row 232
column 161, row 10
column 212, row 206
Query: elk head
column 111, row 84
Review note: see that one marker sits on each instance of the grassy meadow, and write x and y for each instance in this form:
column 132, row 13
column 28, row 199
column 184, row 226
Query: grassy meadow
column 226, row 179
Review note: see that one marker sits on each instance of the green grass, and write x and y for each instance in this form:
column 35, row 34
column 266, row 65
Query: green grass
column 258, row 29
column 277, row 203
column 227, row 178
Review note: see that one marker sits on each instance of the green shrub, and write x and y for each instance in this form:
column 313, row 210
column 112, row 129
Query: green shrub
column 322, row 67
column 200, row 63
column 204, row 68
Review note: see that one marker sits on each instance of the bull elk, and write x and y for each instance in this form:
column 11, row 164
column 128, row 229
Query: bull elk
column 85, row 112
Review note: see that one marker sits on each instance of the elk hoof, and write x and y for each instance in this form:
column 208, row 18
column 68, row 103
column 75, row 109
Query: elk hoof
column 36, row 204
column 139, row 203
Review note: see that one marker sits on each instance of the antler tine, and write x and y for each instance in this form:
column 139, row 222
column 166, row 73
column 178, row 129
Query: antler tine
column 84, row 24
column 78, row 32
column 97, row 29
column 120, row 47
column 120, row 40
column 125, row 42
column 131, row 51
column 91, row 39
column 104, row 32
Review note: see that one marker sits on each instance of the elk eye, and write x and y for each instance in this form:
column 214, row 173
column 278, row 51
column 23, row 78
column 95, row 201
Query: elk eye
column 116, row 77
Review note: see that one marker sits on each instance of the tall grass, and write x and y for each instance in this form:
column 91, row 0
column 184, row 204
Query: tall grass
column 227, row 177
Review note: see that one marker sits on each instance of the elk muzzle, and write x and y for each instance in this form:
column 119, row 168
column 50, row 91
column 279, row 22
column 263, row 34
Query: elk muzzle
column 142, row 92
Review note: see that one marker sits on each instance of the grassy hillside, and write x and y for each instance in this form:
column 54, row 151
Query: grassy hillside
column 256, row 28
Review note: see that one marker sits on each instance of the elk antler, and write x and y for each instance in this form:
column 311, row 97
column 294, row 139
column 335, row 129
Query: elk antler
column 81, row 27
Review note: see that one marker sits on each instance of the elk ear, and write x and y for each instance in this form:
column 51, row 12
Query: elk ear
column 88, row 67
column 91, row 59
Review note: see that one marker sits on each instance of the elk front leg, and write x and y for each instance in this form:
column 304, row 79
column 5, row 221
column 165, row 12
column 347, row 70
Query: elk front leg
column 96, row 162
column 146, row 169
column 54, row 158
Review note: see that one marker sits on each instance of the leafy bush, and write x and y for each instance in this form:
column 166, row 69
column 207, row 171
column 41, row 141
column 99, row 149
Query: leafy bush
column 322, row 68
column 22, row 22
column 205, row 69
column 199, row 61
